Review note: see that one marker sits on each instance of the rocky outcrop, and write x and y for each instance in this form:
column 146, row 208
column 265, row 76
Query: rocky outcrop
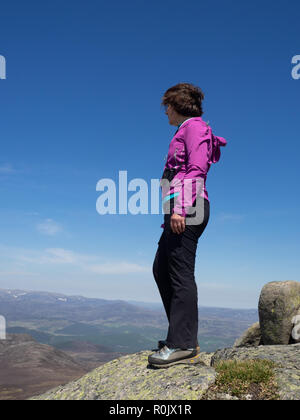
column 279, row 314
column 279, row 302
column 251, row 337
column 130, row 378
column 286, row 357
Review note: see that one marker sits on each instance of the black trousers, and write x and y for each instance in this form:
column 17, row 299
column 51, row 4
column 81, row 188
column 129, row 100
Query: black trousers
column 174, row 273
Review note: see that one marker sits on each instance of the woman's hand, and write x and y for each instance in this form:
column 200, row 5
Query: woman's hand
column 177, row 223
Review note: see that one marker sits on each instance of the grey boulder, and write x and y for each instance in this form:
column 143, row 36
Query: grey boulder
column 279, row 303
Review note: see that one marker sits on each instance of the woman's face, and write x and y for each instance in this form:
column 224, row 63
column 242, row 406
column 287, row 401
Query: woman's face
column 172, row 114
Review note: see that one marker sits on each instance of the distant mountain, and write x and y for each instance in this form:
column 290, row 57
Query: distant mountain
column 204, row 310
column 67, row 322
column 16, row 304
column 27, row 367
column 150, row 305
column 88, row 354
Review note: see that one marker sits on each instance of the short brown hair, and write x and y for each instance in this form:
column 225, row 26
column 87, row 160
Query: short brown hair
column 185, row 98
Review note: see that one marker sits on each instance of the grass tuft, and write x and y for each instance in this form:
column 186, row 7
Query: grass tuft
column 247, row 379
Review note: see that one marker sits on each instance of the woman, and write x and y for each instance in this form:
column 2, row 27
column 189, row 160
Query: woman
column 186, row 214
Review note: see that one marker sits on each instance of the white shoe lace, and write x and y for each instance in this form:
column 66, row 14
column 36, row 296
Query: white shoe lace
column 163, row 350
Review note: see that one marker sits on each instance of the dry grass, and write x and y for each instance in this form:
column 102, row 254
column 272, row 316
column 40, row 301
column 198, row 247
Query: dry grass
column 247, row 379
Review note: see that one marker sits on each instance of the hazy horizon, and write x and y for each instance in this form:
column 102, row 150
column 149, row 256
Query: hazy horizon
column 156, row 303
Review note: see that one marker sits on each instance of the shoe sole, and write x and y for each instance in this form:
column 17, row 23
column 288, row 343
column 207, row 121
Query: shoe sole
column 191, row 361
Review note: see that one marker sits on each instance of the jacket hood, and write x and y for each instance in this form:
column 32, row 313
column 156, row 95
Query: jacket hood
column 217, row 143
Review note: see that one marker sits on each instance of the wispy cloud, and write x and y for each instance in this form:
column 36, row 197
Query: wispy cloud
column 6, row 169
column 122, row 267
column 60, row 255
column 50, row 256
column 16, row 273
column 49, row 227
column 93, row 264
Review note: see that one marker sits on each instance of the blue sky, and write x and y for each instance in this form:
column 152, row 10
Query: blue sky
column 81, row 102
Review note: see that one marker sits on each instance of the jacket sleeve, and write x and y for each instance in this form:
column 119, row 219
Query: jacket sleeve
column 197, row 143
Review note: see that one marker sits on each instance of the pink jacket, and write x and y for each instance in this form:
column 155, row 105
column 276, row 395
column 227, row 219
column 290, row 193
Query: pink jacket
column 191, row 152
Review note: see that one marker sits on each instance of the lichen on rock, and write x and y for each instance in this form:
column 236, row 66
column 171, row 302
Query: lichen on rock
column 286, row 358
column 130, row 378
column 251, row 337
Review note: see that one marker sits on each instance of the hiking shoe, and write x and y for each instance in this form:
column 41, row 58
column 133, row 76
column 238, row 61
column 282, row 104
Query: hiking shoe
column 162, row 343
column 168, row 357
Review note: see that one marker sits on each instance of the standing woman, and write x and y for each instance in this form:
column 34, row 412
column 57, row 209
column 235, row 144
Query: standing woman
column 191, row 152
